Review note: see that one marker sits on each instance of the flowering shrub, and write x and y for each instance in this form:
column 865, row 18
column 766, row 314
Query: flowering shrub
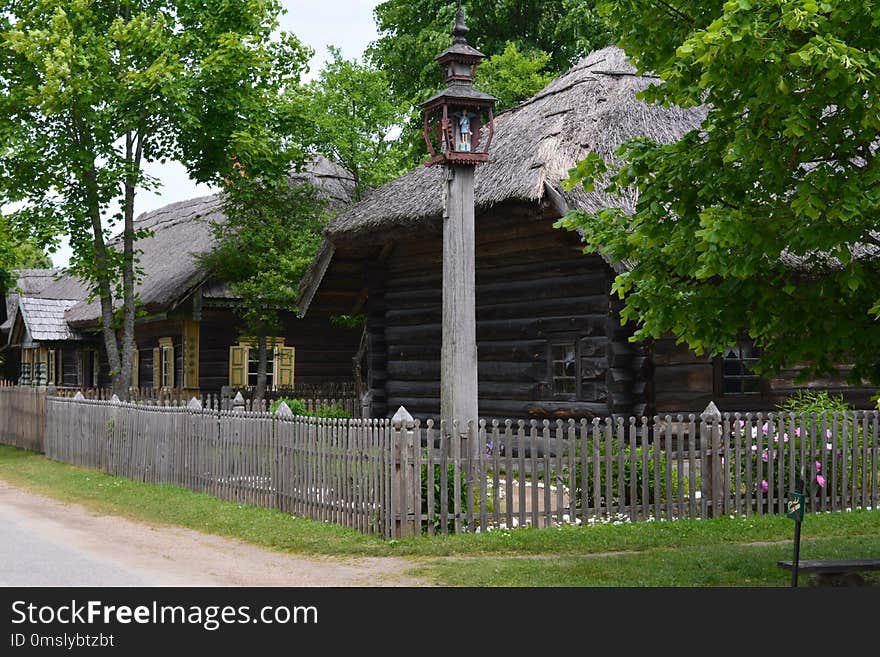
column 766, row 446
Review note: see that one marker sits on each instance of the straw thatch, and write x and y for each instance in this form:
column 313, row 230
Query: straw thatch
column 592, row 107
column 182, row 231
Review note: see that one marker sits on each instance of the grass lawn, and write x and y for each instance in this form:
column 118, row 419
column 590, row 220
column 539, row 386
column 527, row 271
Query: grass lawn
column 681, row 553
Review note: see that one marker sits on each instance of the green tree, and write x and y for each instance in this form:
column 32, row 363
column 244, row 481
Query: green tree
column 413, row 32
column 356, row 121
column 763, row 222
column 271, row 232
column 91, row 91
column 18, row 252
column 513, row 76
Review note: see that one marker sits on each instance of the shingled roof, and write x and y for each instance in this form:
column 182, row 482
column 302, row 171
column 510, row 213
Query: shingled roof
column 44, row 319
column 181, row 231
column 29, row 282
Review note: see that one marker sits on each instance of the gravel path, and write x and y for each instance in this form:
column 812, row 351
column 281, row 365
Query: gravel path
column 44, row 542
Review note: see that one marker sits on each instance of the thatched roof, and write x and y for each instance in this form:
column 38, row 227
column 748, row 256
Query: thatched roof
column 181, row 231
column 592, row 107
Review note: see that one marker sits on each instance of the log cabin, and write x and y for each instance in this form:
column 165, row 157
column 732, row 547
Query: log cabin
column 550, row 339
column 187, row 334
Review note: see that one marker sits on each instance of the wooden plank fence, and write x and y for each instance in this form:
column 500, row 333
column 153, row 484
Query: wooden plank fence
column 327, row 469
column 402, row 478
column 22, row 416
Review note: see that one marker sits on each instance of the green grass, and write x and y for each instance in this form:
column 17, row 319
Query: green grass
column 681, row 553
column 715, row 565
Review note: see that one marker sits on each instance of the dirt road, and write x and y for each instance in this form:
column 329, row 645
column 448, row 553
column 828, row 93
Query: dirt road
column 44, row 542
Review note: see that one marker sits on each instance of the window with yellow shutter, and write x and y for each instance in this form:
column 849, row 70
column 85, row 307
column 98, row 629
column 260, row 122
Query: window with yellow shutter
column 163, row 364
column 244, row 365
column 285, row 361
column 135, row 368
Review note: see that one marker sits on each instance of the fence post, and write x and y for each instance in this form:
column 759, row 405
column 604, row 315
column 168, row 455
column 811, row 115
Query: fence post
column 404, row 478
column 238, row 403
column 710, row 434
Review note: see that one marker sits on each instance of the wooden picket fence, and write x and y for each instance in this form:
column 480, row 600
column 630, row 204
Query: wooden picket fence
column 535, row 474
column 316, row 400
column 22, row 416
column 330, row 470
column 403, row 478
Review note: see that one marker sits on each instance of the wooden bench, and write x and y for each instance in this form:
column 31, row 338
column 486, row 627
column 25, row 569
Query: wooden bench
column 835, row 573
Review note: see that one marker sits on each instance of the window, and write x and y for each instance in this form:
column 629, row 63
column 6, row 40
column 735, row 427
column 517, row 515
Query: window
column 163, row 364
column 254, row 367
column 53, row 367
column 244, row 364
column 563, row 357
column 135, row 368
column 88, row 368
column 737, row 374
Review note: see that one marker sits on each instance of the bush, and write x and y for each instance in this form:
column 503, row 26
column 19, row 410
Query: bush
column 813, row 401
column 807, row 407
column 298, row 407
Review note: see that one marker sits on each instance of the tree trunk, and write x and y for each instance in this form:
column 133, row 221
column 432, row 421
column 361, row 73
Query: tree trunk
column 102, row 276
column 123, row 383
column 263, row 361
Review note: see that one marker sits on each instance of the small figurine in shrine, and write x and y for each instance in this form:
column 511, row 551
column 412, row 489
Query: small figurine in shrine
column 464, row 129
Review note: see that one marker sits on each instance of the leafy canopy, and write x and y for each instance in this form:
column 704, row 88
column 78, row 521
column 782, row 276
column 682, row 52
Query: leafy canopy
column 513, row 76
column 90, row 91
column 356, row 121
column 271, row 232
column 750, row 225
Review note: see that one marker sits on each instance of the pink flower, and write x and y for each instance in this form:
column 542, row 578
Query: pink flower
column 764, row 456
column 818, row 467
column 765, row 429
column 785, row 437
column 828, row 433
column 764, row 486
column 797, row 432
column 820, row 480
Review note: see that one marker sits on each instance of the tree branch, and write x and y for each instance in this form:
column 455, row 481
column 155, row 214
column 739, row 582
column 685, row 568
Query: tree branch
column 674, row 11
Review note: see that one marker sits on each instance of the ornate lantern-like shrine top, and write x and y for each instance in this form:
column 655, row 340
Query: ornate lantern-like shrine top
column 455, row 117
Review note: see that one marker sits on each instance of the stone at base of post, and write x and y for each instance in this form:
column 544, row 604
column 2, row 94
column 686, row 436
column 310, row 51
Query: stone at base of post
column 710, row 433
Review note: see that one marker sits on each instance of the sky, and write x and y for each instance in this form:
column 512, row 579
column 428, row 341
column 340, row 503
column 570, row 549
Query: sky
column 346, row 24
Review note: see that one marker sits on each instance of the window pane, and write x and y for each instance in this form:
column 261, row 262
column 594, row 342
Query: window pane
column 733, row 368
column 751, row 385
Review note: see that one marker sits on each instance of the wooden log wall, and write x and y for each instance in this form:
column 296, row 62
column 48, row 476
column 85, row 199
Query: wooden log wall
column 534, row 286
column 323, row 352
column 685, row 382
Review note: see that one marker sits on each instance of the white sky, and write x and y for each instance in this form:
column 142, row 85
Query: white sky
column 346, row 24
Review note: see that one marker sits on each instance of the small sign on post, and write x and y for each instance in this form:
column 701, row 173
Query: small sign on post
column 794, row 509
